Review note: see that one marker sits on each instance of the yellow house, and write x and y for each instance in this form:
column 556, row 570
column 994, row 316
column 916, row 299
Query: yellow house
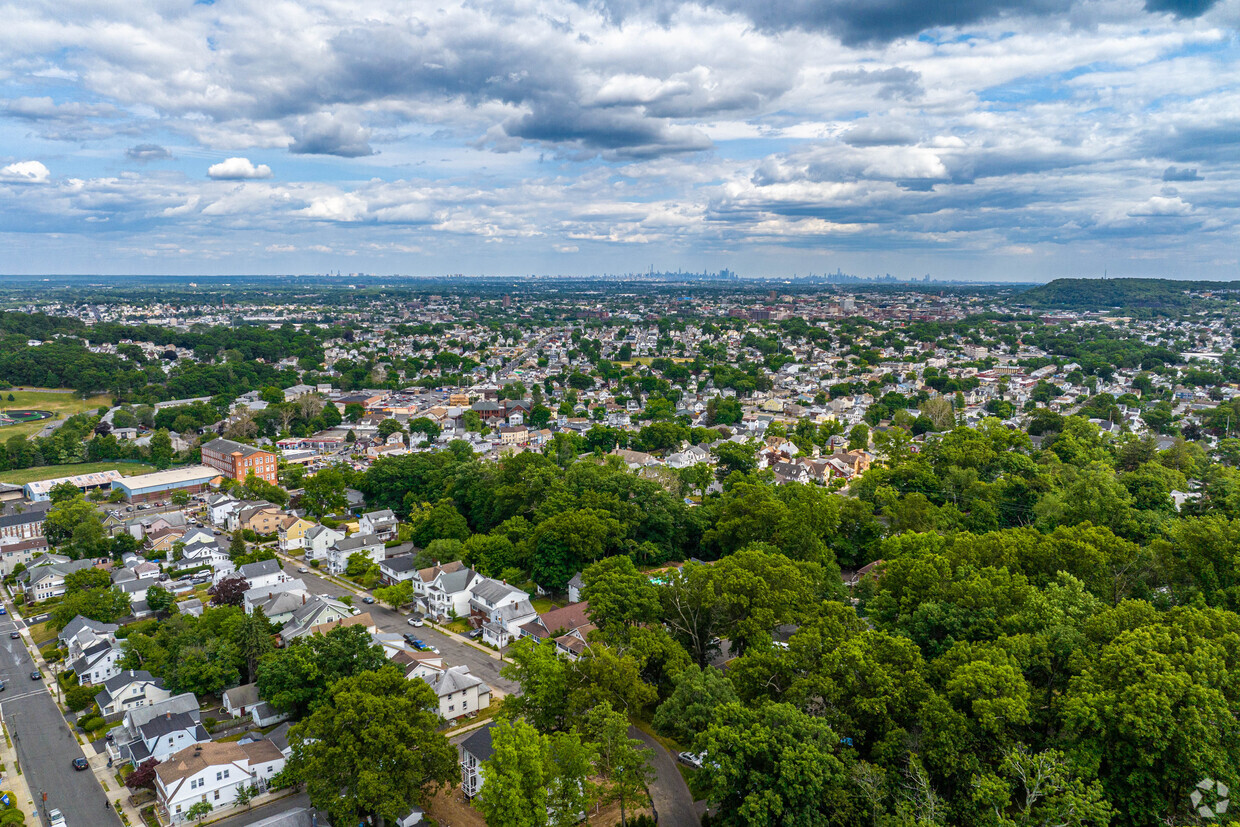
column 293, row 533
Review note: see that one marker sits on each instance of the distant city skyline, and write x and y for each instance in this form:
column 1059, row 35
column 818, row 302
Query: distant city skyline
column 997, row 142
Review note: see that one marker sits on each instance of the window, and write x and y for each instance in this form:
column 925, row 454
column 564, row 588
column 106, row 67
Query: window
column 225, row 773
column 217, row 795
column 219, row 776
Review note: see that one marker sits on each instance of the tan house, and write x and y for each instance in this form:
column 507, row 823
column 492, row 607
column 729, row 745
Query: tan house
column 292, row 532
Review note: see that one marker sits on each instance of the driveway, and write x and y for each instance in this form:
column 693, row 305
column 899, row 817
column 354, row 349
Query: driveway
column 45, row 746
column 482, row 664
column 672, row 800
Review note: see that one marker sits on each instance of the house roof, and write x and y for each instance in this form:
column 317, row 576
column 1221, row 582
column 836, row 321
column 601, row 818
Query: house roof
column 492, row 591
column 479, row 743
column 227, row 446
column 75, row 626
column 453, row 679
column 263, row 567
column 196, row 758
column 244, row 695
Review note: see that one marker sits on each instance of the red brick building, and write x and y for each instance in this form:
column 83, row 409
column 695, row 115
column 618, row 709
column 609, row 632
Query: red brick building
column 236, row 460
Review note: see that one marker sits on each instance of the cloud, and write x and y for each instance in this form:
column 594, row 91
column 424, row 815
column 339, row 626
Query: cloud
column 237, row 169
column 148, row 152
column 1179, row 174
column 326, row 134
column 1162, row 206
column 44, row 108
column 892, row 83
column 1180, row 8
column 25, row 172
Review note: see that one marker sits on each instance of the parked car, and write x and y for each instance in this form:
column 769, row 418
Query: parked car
column 419, row 645
column 80, row 764
column 55, row 819
column 1, row 686
column 14, row 635
column 474, row 633
column 416, row 620
column 303, row 570
column 409, row 638
column 36, row 675
column 3, row 611
column 368, row 599
column 691, row 759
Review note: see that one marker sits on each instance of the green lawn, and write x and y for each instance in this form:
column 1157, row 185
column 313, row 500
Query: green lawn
column 47, row 472
column 61, row 404
column 543, row 604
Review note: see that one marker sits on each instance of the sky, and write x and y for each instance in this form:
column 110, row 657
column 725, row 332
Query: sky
column 975, row 139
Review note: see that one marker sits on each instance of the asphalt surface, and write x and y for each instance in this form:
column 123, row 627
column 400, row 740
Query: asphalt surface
column 669, row 792
column 257, row 814
column 454, row 652
column 45, row 745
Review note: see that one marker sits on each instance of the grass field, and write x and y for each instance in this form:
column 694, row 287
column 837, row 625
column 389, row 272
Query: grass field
column 61, row 404
column 47, row 472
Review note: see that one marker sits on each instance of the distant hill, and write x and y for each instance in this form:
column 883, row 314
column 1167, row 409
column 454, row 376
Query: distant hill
column 1165, row 295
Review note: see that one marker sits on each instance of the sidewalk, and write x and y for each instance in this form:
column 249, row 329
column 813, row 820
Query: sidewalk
column 13, row 782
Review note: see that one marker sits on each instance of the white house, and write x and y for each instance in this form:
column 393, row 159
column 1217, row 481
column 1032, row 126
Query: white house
column 157, row 730
column 129, row 690
column 264, row 574
column 448, row 593
column 319, row 540
column 369, row 544
column 459, row 692
column 214, row 772
column 382, row 523
column 474, row 750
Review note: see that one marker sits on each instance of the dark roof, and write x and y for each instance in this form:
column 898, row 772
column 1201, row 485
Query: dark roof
column 479, row 744
column 227, row 446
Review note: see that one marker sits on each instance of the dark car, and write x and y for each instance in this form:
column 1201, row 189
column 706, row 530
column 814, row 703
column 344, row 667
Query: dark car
column 36, row 675
column 14, row 635
column 80, row 764
column 368, row 599
column 1, row 686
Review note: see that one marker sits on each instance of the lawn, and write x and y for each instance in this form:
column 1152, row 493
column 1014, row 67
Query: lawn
column 542, row 605
column 41, row 633
column 61, row 404
column 47, row 472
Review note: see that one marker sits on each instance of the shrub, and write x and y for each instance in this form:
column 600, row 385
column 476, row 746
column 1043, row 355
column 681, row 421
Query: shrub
column 209, row 724
column 90, row 722
column 80, row 697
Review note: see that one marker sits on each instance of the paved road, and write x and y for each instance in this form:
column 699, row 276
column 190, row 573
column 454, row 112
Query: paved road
column 256, row 814
column 669, row 792
column 455, row 653
column 45, row 746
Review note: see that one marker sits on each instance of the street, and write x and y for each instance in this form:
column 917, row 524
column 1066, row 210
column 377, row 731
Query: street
column 455, row 653
column 45, row 746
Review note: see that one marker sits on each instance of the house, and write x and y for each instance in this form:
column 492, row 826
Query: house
column 277, row 600
column 459, row 692
column 474, row 751
column 243, row 701
column 381, row 523
column 82, row 631
column 213, row 773
column 18, row 522
column 157, row 730
column 574, row 588
column 398, row 569
column 320, row 614
column 15, row 552
column 292, row 533
column 569, row 626
column 97, row 663
column 448, row 594
column 261, row 518
column 318, row 541
column 263, row 574
column 220, row 507
column 236, row 460
column 45, row 576
column 128, row 690
column 499, row 609
column 368, row 544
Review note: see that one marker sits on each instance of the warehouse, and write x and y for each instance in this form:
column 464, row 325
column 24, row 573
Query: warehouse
column 41, row 490
column 161, row 484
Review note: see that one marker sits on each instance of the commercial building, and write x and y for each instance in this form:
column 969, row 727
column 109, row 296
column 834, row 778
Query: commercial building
column 237, row 460
column 161, row 484
column 41, row 490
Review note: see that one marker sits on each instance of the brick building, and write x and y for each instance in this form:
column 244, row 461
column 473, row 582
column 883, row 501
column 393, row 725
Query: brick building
column 236, row 460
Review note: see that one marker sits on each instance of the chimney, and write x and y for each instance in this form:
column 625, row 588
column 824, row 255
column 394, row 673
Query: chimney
column 303, row 600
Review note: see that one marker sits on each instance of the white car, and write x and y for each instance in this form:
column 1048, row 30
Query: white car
column 55, row 819
column 415, row 621
column 692, row 759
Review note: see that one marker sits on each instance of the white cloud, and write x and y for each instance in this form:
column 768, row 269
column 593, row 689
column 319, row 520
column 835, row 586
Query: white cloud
column 237, row 169
column 25, row 172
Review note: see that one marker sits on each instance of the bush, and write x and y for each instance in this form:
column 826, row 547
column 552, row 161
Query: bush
column 642, row 820
column 209, row 724
column 314, row 564
column 80, row 697
column 12, row 817
column 90, row 722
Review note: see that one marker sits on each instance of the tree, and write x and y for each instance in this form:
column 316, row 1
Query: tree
column 295, row 678
column 734, row 457
column 619, row 595
column 323, row 493
column 859, row 437
column 372, row 748
column 105, row 605
column 236, row 546
column 772, row 766
column 694, row 703
column 230, row 591
column 143, row 777
column 354, row 411
column 564, row 543
column 622, row 761
column 388, row 427
column 515, row 793
column 160, row 600
column 245, row 795
column 199, row 810
column 691, row 610
column 544, row 678
column 161, row 449
column 395, row 595
column 66, row 516
column 180, row 497
column 253, row 639
column 62, row 491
